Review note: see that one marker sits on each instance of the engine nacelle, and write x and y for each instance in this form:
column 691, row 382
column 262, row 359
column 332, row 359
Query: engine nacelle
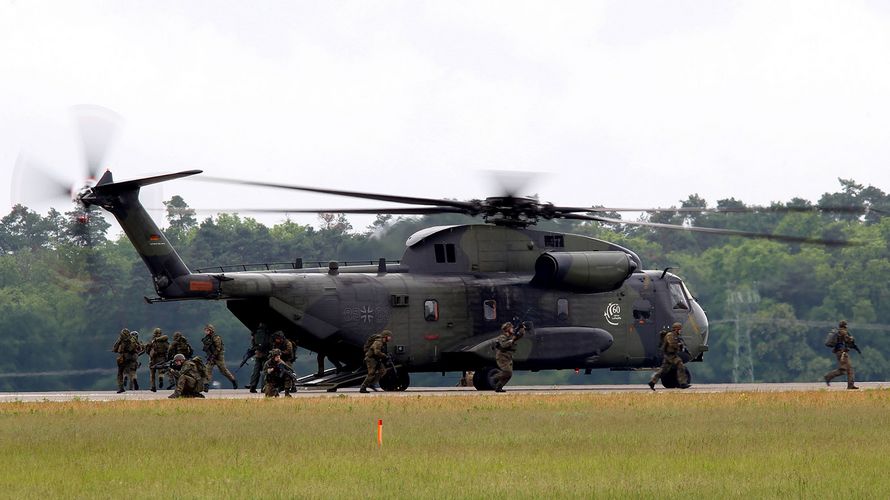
column 583, row 271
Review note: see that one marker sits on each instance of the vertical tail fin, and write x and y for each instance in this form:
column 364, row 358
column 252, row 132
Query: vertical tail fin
column 121, row 199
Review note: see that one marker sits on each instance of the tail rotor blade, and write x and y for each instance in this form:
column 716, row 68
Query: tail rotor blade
column 35, row 184
column 98, row 127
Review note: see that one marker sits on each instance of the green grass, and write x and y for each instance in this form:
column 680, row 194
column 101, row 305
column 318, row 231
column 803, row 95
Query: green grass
column 663, row 445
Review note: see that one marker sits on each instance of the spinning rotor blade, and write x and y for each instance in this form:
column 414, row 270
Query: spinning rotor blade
column 511, row 183
column 727, row 210
column 97, row 126
column 467, row 206
column 392, row 210
column 34, row 183
column 711, row 230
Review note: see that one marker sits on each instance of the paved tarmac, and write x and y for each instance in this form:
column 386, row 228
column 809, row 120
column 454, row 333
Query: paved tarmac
column 7, row 397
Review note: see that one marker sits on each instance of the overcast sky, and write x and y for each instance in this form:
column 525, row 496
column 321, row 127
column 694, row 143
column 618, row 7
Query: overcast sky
column 616, row 103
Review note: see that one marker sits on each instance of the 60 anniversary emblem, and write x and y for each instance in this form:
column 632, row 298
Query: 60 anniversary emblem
column 613, row 314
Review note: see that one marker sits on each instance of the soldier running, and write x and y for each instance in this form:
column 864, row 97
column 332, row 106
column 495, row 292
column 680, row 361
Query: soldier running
column 215, row 350
column 375, row 359
column 505, row 346
column 844, row 341
column 671, row 346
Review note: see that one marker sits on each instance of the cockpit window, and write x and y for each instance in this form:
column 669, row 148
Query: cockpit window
column 490, row 309
column 678, row 298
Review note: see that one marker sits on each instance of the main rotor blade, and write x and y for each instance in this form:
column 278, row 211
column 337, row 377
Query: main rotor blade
column 391, row 210
column 721, row 210
column 711, row 230
column 98, row 126
column 463, row 205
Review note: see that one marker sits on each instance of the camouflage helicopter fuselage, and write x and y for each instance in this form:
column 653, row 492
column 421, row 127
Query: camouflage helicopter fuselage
column 588, row 302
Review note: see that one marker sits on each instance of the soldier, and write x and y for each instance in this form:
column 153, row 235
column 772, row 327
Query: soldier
column 190, row 380
column 180, row 345
column 127, row 351
column 261, row 344
column 276, row 378
column 671, row 346
column 156, row 349
column 375, row 358
column 466, row 378
column 320, row 360
column 280, row 342
column 843, row 342
column 505, row 346
column 215, row 350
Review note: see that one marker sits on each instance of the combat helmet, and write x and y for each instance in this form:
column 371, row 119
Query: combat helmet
column 179, row 357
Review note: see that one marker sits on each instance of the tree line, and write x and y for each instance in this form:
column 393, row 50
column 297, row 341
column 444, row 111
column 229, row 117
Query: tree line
column 66, row 288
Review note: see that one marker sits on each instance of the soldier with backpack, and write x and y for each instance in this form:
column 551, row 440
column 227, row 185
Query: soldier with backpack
column 375, row 359
column 671, row 347
column 191, row 377
column 215, row 350
column 156, row 349
column 127, row 349
column 841, row 342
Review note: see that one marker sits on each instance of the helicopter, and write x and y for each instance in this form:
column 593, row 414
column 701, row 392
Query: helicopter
column 588, row 303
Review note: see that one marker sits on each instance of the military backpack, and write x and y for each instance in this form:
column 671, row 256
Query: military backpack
column 371, row 340
column 831, row 339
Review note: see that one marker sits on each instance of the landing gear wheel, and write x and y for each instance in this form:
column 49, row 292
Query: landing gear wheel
column 395, row 382
column 669, row 380
column 483, row 379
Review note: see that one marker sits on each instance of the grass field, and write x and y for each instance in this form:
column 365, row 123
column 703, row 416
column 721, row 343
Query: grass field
column 650, row 445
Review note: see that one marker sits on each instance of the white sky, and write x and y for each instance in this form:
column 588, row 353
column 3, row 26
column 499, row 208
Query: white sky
column 617, row 103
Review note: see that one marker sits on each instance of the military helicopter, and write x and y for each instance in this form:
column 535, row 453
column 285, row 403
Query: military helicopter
column 589, row 303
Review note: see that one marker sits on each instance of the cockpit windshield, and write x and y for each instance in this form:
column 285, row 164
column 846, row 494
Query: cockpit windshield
column 678, row 296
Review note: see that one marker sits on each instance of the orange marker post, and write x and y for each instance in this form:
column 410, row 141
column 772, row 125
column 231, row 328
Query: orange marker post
column 380, row 432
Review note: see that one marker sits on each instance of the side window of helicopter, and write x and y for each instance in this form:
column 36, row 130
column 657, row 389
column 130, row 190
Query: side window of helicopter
column 562, row 310
column 431, row 310
column 642, row 310
column 444, row 253
column 490, row 308
column 678, row 298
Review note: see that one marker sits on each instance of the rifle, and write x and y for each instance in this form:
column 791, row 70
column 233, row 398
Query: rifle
column 288, row 372
column 855, row 347
column 163, row 365
column 520, row 323
column 251, row 351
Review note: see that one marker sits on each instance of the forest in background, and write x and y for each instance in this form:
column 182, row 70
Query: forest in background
column 66, row 288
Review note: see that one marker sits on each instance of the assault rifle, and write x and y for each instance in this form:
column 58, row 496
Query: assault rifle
column 163, row 365
column 251, row 351
column 288, row 372
column 855, row 347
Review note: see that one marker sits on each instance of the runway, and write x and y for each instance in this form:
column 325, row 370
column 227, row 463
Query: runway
column 29, row 397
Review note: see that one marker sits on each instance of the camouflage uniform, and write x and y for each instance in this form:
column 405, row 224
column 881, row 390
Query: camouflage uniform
column 261, row 343
column 190, row 380
column 157, row 353
column 180, row 345
column 288, row 355
column 127, row 359
column 375, row 358
column 505, row 346
column 671, row 345
column 466, row 379
column 841, row 350
column 276, row 379
column 215, row 350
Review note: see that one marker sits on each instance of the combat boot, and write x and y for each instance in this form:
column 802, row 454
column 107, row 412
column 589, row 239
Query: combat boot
column 153, row 389
column 234, row 384
column 206, row 387
column 652, row 385
column 827, row 381
column 363, row 389
column 173, row 396
column 852, row 386
column 161, row 382
column 121, row 390
column 135, row 385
